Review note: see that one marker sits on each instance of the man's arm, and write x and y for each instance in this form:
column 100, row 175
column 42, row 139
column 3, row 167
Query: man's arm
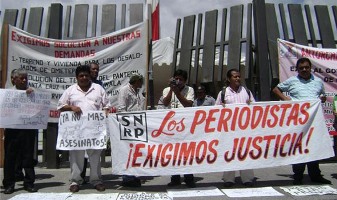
column 183, row 100
column 64, row 104
column 121, row 107
column 280, row 95
column 167, row 97
column 186, row 99
column 75, row 109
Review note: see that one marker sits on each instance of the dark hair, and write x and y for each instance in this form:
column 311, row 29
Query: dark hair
column 181, row 73
column 303, row 60
column 82, row 68
column 93, row 63
column 229, row 72
column 135, row 77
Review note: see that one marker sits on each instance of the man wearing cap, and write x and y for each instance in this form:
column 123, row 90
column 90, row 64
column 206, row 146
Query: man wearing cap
column 203, row 99
column 130, row 99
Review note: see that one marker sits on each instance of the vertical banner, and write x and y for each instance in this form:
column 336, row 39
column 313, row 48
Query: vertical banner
column 51, row 63
column 324, row 66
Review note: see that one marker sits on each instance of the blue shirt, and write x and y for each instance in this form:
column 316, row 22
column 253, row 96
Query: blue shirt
column 300, row 89
column 207, row 101
column 99, row 82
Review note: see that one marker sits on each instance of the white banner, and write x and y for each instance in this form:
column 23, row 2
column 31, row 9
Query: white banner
column 24, row 111
column 324, row 66
column 51, row 63
column 80, row 132
column 214, row 138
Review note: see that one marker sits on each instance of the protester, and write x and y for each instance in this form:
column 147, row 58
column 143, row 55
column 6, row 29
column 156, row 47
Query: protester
column 82, row 97
column 235, row 93
column 19, row 144
column 130, row 99
column 203, row 99
column 94, row 70
column 179, row 95
column 304, row 86
column 19, row 176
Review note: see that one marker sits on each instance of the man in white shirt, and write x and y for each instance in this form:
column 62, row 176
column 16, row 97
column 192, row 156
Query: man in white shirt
column 130, row 99
column 82, row 97
column 179, row 95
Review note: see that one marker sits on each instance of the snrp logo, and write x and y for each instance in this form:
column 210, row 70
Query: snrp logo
column 133, row 126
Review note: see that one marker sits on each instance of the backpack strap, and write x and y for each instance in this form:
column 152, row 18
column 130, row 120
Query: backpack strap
column 247, row 90
column 223, row 92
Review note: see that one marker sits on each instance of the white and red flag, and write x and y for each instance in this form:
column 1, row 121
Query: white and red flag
column 155, row 18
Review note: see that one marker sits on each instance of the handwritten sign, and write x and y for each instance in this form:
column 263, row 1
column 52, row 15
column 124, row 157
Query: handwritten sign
column 24, row 111
column 80, row 132
column 38, row 195
column 309, row 190
column 197, row 192
column 110, row 196
column 143, row 196
column 252, row 192
column 216, row 138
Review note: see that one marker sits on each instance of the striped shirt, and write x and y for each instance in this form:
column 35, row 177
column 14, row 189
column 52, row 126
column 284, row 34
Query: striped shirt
column 231, row 96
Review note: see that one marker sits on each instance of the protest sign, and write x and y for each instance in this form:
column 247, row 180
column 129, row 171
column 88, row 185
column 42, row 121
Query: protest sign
column 51, row 63
column 309, row 190
column 80, row 132
column 216, row 138
column 324, row 66
column 24, row 111
column 143, row 196
column 252, row 192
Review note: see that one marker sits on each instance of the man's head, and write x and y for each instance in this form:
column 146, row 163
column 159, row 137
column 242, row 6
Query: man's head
column 12, row 76
column 201, row 92
column 20, row 79
column 83, row 75
column 94, row 70
column 180, row 77
column 303, row 66
column 233, row 78
column 136, row 80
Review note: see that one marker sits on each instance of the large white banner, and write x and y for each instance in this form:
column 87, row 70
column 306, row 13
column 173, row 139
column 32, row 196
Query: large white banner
column 324, row 66
column 24, row 111
column 214, row 138
column 80, row 132
column 51, row 63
